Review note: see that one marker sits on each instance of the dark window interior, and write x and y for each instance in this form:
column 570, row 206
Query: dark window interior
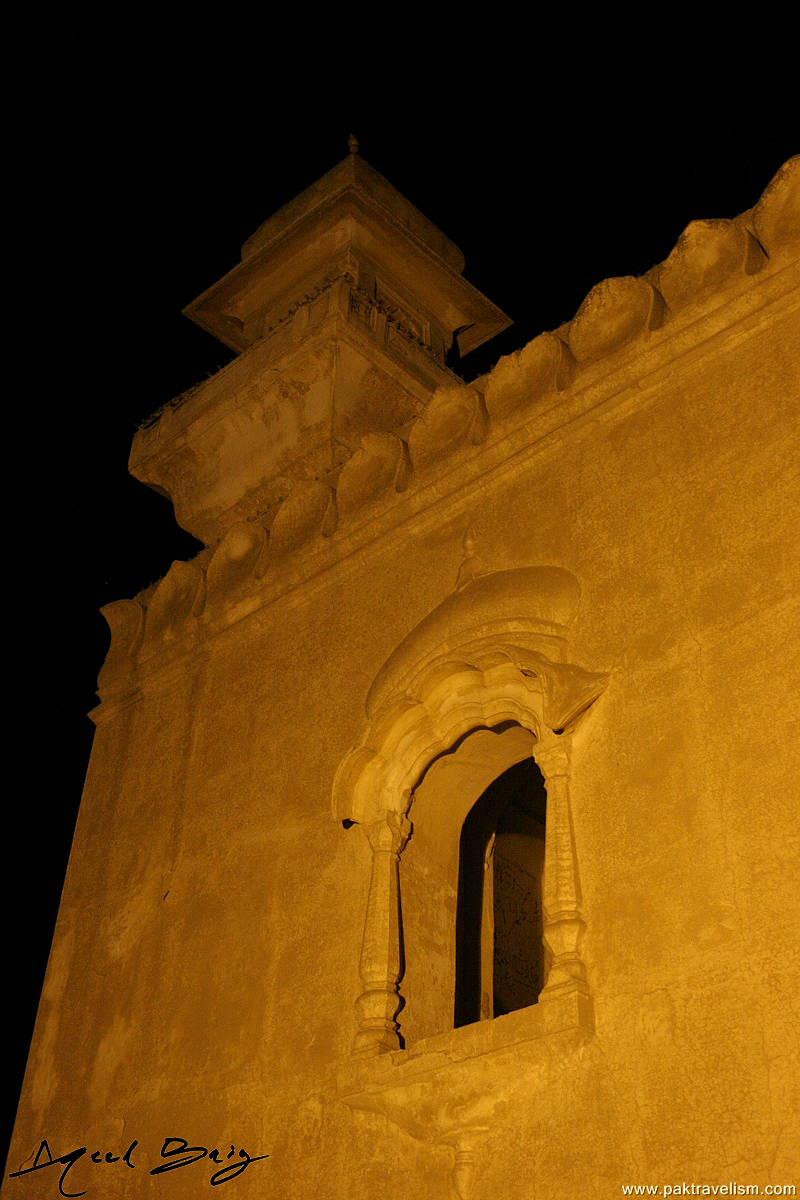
column 503, row 834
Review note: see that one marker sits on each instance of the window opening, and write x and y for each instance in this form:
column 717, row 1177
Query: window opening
column 500, row 957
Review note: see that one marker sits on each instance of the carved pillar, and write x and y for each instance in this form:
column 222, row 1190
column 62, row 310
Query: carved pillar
column 563, row 920
column 381, row 965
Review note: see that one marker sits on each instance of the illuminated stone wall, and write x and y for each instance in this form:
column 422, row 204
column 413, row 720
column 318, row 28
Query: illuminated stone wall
column 214, row 933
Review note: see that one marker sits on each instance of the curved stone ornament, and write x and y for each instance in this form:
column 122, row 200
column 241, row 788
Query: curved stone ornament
column 380, row 465
column 308, row 510
column 707, row 255
column 175, row 604
column 455, row 416
column 125, row 619
column 776, row 217
column 542, row 367
column 614, row 313
column 539, row 602
column 233, row 563
column 452, row 697
column 568, row 691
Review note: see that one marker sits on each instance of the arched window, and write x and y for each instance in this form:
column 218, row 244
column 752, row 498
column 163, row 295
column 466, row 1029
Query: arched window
column 478, row 686
column 499, row 945
column 471, row 885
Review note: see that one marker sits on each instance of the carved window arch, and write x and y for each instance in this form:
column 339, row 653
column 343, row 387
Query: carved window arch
column 490, row 657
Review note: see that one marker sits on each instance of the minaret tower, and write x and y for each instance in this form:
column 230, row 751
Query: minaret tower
column 344, row 310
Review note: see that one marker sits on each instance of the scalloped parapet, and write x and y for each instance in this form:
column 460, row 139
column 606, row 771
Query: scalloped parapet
column 625, row 327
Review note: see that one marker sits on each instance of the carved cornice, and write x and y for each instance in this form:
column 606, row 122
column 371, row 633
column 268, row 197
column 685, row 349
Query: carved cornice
column 365, row 303
column 622, row 323
column 308, row 298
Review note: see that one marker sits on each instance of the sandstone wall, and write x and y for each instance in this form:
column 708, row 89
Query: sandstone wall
column 205, row 966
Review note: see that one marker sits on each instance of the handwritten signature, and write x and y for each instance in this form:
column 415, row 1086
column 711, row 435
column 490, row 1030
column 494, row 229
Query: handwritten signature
column 176, row 1151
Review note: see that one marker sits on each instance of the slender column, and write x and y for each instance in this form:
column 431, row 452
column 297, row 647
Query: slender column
column 381, row 964
column 563, row 920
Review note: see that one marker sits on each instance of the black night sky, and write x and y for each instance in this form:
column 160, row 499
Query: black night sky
column 137, row 201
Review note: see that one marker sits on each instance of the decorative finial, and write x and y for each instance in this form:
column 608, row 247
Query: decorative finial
column 471, row 565
column 353, row 144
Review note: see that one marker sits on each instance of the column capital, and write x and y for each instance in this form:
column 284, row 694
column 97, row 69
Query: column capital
column 551, row 752
column 389, row 833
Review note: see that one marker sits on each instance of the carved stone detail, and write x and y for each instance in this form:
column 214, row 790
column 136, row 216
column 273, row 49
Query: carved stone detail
column 381, row 963
column 454, row 696
column 396, row 320
column 472, row 565
column 488, row 683
column 271, row 324
column 456, row 1087
column 563, row 920
column 125, row 620
column 707, row 255
column 465, row 1143
column 176, row 603
column 309, row 509
column 533, row 606
column 454, row 416
column 776, row 217
column 235, row 560
column 614, row 312
column 381, row 464
column 543, row 366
